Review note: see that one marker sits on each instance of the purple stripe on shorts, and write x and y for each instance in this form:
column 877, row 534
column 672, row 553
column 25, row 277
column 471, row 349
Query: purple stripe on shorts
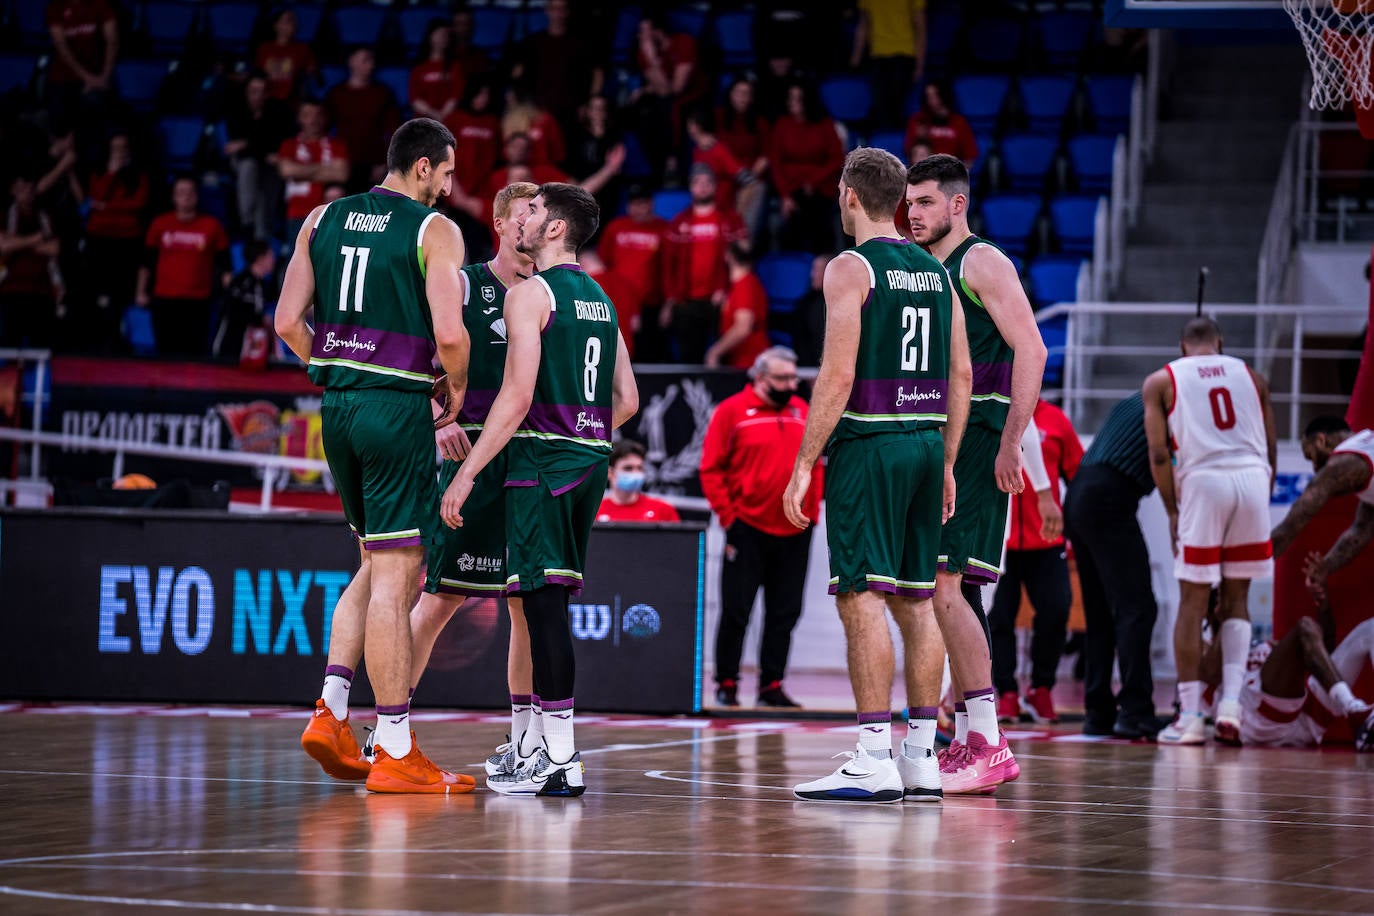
column 575, row 484
column 535, row 701
column 556, row 705
column 975, row 694
column 339, row 671
column 889, row 588
column 922, row 712
column 573, row 584
column 970, row 574
column 402, row 710
column 867, row 718
column 522, row 483
column 920, row 594
column 466, row 592
column 412, row 541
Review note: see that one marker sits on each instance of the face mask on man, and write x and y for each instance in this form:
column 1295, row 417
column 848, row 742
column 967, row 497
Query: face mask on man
column 779, row 396
column 629, row 481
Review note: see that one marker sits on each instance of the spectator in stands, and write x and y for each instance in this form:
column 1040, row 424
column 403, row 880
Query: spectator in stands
column 518, row 167
column 307, row 163
column 623, row 292
column 246, row 302
column 117, row 196
column 633, row 246
column 256, row 127
column 285, row 61
column 806, row 159
column 744, row 317
column 85, row 37
column 524, row 116
column 707, row 149
column 808, row 329
column 625, row 500
column 893, row 32
column 942, row 127
column 477, row 130
column 745, row 133
column 187, row 260
column 436, row 80
column 365, row 114
column 31, row 287
column 1036, row 559
column 745, row 466
column 473, row 60
column 696, row 280
column 560, row 66
column 596, row 154
column 673, row 82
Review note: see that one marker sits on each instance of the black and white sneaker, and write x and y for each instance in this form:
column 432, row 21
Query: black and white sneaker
column 542, row 777
column 862, row 778
column 920, row 772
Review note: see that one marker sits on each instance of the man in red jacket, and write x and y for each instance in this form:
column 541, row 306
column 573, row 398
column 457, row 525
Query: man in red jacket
column 1036, row 559
column 746, row 463
column 697, row 280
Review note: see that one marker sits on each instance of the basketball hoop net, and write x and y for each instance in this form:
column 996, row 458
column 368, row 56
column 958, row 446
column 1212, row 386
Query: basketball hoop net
column 1339, row 38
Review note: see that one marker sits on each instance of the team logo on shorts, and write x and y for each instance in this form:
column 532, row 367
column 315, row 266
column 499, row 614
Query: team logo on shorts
column 641, row 621
column 488, row 294
column 467, row 562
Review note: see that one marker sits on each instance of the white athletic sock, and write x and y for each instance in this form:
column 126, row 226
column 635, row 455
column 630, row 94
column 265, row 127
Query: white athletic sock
column 875, row 733
column 519, row 715
column 558, row 729
column 1344, row 701
column 1190, row 698
column 982, row 714
column 393, row 730
column 335, row 694
column 1235, row 647
column 920, row 729
column 533, row 735
column 960, row 724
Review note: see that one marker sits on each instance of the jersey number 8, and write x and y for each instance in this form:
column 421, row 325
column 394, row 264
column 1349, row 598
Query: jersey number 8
column 591, row 359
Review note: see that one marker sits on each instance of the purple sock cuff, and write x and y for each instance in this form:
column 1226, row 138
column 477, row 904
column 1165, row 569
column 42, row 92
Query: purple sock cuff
column 975, row 694
column 339, row 671
column 519, row 699
column 535, row 701
column 922, row 712
column 960, row 707
column 868, row 718
column 557, row 705
column 402, row 710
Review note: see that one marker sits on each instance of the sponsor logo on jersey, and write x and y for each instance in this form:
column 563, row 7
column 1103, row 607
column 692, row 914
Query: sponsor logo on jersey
column 498, row 327
column 587, row 421
column 352, row 344
column 488, row 294
column 915, row 396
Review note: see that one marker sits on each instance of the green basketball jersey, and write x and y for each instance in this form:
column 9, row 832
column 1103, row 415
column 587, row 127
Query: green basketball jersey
column 484, row 305
column 568, row 427
column 901, row 374
column 990, row 354
column 373, row 328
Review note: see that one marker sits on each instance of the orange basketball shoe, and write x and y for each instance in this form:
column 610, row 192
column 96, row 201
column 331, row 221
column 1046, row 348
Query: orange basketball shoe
column 414, row 774
column 333, row 745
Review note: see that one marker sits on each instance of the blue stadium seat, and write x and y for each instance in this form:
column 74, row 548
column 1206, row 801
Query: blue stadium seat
column 231, row 25
column 359, row 25
column 1109, row 100
column 987, row 146
column 996, row 41
column 168, row 25
column 414, row 23
column 1010, row 220
column 492, row 26
column 1090, row 158
column 890, row 140
column 16, row 71
column 1046, row 99
column 180, row 137
column 397, row 79
column 535, row 20
column 307, row 22
column 636, row 162
column 942, row 35
column 980, row 99
column 687, row 19
column 1054, row 278
column 137, row 327
column 1055, row 334
column 735, row 38
column 1027, row 160
column 670, row 203
column 847, row 98
column 1019, row 263
column 1063, row 35
column 139, row 82
column 1072, row 217
column 31, row 19
column 626, row 30
column 787, row 277
column 332, row 76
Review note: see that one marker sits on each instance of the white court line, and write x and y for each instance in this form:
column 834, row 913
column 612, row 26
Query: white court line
column 614, row 882
column 1344, row 799
column 659, row 774
column 89, row 775
column 1197, row 762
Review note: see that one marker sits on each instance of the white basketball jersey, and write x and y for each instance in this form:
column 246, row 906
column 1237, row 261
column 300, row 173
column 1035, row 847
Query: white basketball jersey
column 1362, row 443
column 1217, row 419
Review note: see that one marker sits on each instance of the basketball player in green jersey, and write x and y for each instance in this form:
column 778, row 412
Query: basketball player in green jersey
column 471, row 561
column 894, row 374
column 381, row 270
column 1008, row 359
column 568, row 384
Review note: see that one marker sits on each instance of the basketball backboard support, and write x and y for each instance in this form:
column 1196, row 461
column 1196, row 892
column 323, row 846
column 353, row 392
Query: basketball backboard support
column 1195, row 14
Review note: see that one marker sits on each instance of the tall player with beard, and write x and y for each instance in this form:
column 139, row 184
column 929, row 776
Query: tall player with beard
column 1008, row 358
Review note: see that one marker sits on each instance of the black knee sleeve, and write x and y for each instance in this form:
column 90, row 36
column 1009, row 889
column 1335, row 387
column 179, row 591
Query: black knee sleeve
column 973, row 594
column 551, row 648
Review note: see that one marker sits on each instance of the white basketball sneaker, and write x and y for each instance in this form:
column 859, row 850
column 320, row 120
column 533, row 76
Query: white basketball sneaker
column 1227, row 727
column 508, row 758
column 542, row 777
column 920, row 772
column 862, row 778
column 1187, row 728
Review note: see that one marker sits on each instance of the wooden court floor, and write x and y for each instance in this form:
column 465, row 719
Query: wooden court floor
column 113, row 809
